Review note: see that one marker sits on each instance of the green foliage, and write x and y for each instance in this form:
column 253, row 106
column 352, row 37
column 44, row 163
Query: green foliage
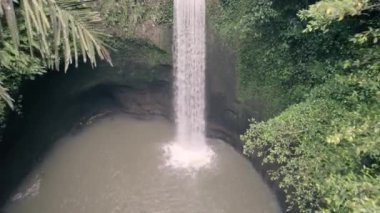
column 234, row 19
column 15, row 66
column 317, row 68
column 5, row 96
column 58, row 28
column 45, row 34
column 166, row 12
column 122, row 17
column 323, row 13
column 326, row 150
column 277, row 63
column 294, row 142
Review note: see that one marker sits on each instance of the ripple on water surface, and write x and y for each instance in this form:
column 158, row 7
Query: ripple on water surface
column 118, row 165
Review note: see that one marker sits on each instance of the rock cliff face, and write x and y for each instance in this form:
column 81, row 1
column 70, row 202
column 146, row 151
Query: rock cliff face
column 159, row 35
column 222, row 106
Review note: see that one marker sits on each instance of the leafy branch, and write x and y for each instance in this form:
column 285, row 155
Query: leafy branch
column 323, row 13
column 56, row 30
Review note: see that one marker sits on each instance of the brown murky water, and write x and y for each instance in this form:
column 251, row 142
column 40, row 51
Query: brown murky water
column 117, row 165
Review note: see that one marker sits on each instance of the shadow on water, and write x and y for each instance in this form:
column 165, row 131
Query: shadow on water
column 57, row 104
column 29, row 138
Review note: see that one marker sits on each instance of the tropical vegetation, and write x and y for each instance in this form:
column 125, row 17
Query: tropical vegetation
column 316, row 65
column 37, row 35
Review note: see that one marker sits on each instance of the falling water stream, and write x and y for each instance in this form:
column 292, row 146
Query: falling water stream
column 189, row 150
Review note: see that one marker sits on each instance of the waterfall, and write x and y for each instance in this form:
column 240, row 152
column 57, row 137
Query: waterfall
column 189, row 53
column 189, row 149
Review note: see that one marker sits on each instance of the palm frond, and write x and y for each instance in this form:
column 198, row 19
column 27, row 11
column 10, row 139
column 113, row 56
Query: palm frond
column 58, row 28
column 58, row 31
column 71, row 24
column 5, row 96
column 7, row 10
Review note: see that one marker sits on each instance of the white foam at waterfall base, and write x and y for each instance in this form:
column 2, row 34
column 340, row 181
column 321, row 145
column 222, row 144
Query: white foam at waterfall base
column 184, row 156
